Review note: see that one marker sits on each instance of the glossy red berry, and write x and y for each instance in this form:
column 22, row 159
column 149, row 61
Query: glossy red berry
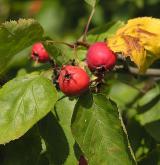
column 100, row 57
column 73, row 80
column 39, row 53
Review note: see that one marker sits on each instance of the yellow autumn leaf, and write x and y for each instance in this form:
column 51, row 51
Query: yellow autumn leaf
column 137, row 39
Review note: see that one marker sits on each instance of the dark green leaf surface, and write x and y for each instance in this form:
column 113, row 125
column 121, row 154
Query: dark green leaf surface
column 97, row 129
column 23, row 102
column 43, row 160
column 153, row 158
column 153, row 129
column 23, row 151
column 15, row 36
column 57, row 147
column 56, row 132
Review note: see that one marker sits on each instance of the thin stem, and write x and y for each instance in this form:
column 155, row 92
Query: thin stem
column 75, row 53
column 60, row 42
column 77, row 43
column 85, row 44
column 88, row 23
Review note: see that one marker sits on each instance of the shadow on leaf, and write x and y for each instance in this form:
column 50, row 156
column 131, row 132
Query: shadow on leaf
column 55, row 140
column 149, row 105
column 153, row 129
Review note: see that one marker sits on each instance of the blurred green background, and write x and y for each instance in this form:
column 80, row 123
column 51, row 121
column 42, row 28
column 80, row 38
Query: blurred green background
column 63, row 18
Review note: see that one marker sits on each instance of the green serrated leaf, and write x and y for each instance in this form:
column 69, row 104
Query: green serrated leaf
column 64, row 115
column 23, row 102
column 97, row 129
column 125, row 90
column 16, row 36
column 91, row 2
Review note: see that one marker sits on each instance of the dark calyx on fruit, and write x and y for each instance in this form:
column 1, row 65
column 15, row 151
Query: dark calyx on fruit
column 73, row 80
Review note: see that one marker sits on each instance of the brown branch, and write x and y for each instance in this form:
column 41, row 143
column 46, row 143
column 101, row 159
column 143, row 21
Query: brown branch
column 149, row 72
column 134, row 70
column 77, row 43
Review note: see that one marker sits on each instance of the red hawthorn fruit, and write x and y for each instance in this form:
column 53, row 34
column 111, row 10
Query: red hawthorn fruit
column 39, row 53
column 73, row 80
column 82, row 161
column 100, row 57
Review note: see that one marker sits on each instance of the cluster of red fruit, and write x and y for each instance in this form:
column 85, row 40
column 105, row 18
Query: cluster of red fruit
column 74, row 80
